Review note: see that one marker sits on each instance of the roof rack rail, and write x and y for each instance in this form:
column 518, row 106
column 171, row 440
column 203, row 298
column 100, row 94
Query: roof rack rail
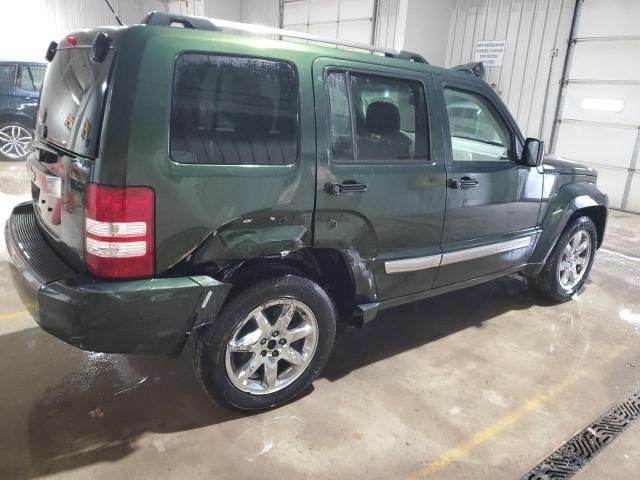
column 217, row 24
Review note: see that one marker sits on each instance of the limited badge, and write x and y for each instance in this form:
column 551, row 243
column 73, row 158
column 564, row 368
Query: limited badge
column 68, row 121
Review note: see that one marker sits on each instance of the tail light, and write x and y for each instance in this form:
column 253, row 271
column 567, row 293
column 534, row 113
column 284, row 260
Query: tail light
column 119, row 231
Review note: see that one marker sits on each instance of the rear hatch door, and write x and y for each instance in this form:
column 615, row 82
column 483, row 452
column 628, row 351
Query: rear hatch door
column 67, row 139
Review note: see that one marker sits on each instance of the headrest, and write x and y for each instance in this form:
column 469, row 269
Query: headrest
column 383, row 118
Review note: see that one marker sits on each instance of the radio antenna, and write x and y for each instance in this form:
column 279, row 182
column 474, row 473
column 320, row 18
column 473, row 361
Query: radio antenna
column 115, row 14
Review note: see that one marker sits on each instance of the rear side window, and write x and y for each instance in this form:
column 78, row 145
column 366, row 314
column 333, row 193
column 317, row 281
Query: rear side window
column 376, row 119
column 7, row 77
column 234, row 111
column 30, row 77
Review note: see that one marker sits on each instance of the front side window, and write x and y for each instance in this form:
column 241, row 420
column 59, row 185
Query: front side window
column 30, row 77
column 234, row 111
column 477, row 134
column 387, row 116
column 7, row 77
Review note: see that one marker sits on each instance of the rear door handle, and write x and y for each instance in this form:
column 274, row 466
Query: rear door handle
column 463, row 183
column 348, row 186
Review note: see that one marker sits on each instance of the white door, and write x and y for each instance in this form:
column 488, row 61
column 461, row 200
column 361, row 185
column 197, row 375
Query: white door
column 344, row 19
column 600, row 116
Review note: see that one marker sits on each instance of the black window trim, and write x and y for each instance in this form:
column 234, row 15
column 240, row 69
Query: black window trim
column 375, row 73
column 296, row 73
column 496, row 111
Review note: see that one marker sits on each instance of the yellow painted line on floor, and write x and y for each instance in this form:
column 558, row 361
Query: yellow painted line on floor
column 9, row 316
column 482, row 436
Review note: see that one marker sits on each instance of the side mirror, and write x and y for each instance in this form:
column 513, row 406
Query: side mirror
column 533, row 152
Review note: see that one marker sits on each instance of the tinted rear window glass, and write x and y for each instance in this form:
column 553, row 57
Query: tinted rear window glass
column 72, row 100
column 234, row 111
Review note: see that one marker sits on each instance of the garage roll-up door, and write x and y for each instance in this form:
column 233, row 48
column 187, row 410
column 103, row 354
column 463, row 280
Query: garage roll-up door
column 599, row 121
column 345, row 19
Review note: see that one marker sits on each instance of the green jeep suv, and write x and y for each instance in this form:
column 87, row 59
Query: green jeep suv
column 251, row 191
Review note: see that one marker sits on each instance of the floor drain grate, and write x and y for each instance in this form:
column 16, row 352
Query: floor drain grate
column 580, row 450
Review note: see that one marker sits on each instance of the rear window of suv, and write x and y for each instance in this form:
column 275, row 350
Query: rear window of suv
column 234, row 111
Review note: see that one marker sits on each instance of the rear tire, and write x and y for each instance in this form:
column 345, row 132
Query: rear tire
column 269, row 343
column 15, row 141
column 570, row 262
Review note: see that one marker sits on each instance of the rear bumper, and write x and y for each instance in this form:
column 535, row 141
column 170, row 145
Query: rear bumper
column 139, row 316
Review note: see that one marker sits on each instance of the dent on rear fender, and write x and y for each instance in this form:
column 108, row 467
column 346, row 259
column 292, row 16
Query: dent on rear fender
column 353, row 235
column 256, row 235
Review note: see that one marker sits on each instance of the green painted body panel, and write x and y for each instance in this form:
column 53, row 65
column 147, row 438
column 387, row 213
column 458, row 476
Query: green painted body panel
column 566, row 195
column 400, row 214
column 138, row 316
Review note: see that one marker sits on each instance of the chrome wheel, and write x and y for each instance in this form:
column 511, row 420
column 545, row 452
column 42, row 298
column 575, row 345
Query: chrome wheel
column 15, row 141
column 272, row 346
column 574, row 260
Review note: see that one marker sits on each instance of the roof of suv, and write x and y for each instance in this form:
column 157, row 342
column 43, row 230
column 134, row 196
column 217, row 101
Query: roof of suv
column 311, row 49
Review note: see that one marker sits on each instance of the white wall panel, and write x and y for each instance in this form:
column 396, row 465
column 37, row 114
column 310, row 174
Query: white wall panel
column 355, row 31
column 604, row 75
column 296, row 13
column 389, row 16
column 601, row 18
column 612, row 181
column 595, row 144
column 633, row 203
column 323, row 11
column 606, row 60
column 350, row 9
column 263, row 12
column 51, row 19
column 426, row 28
column 577, row 93
column 324, row 29
column 344, row 19
column 536, row 33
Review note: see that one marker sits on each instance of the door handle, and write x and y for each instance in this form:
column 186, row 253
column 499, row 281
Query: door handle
column 463, row 183
column 348, row 186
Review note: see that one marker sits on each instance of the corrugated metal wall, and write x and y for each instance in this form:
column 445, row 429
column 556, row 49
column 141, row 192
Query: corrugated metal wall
column 536, row 33
column 600, row 115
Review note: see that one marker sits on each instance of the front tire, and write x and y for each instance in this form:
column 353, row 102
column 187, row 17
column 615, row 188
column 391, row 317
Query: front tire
column 569, row 264
column 267, row 346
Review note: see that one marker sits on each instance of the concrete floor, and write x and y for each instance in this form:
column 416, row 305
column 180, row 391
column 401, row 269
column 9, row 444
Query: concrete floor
column 482, row 383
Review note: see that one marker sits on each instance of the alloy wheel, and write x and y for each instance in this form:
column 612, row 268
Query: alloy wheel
column 15, row 141
column 272, row 346
column 574, row 260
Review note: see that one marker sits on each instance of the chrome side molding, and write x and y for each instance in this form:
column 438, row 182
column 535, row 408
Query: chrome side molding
column 486, row 250
column 432, row 261
column 412, row 264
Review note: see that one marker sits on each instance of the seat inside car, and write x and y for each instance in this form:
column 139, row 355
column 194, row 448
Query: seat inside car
column 383, row 140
